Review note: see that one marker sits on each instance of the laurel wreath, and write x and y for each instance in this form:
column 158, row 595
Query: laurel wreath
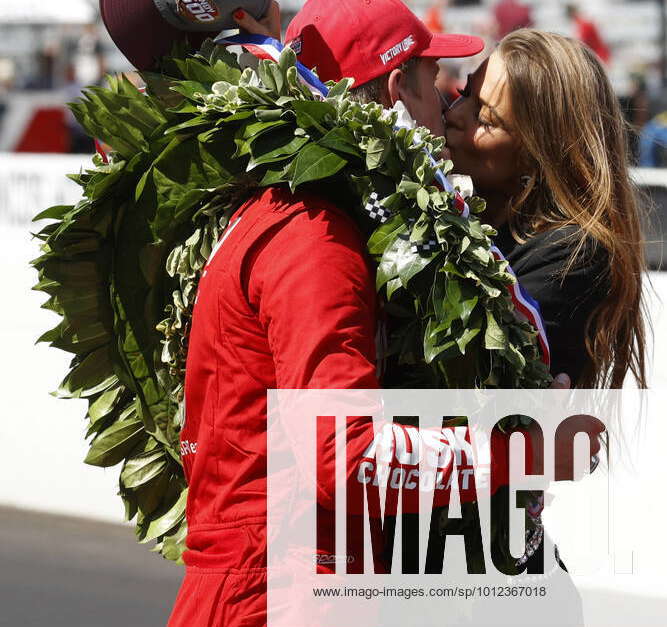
column 121, row 267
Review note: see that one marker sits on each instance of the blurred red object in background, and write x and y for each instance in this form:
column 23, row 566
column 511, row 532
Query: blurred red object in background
column 46, row 131
column 433, row 17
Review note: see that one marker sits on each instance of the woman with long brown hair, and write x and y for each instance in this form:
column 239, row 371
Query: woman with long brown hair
column 539, row 130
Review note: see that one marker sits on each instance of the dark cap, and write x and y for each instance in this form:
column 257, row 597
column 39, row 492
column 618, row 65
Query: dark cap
column 146, row 30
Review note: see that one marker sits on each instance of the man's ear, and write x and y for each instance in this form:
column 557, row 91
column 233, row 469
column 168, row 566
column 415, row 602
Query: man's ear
column 396, row 86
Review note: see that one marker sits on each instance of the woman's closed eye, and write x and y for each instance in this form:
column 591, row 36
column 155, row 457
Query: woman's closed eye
column 485, row 124
column 465, row 92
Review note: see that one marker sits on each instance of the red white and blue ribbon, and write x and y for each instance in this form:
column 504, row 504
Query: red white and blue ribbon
column 528, row 307
column 269, row 48
column 525, row 306
column 459, row 203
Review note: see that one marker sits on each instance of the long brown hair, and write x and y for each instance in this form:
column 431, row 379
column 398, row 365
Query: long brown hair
column 568, row 121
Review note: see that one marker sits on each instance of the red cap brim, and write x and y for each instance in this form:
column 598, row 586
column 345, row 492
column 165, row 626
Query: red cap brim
column 141, row 33
column 450, row 46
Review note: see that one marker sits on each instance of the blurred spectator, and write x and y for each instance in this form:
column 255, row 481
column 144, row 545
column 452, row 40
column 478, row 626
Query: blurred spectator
column 434, row 15
column 587, row 32
column 511, row 15
column 636, row 108
column 79, row 142
column 44, row 76
column 88, row 57
column 653, row 143
column 7, row 77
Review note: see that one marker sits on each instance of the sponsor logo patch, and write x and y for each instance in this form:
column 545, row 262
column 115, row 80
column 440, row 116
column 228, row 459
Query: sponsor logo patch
column 296, row 44
column 399, row 48
column 188, row 448
column 198, row 11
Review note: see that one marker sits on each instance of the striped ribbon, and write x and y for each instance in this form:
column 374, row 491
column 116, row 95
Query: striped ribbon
column 101, row 151
column 269, row 48
column 527, row 307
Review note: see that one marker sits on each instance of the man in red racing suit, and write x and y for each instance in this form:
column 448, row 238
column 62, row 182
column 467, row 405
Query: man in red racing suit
column 287, row 300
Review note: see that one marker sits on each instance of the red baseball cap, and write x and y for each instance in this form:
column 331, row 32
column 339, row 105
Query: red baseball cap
column 364, row 39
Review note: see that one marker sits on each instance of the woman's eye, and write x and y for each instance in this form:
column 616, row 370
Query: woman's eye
column 484, row 123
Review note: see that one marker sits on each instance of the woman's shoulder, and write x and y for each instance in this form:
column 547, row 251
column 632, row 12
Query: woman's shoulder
column 567, row 292
column 556, row 249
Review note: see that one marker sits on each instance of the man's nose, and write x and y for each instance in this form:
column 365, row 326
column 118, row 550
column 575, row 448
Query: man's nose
column 452, row 115
column 444, row 104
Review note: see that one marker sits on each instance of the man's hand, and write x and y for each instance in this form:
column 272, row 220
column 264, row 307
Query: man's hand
column 268, row 25
column 563, row 453
column 588, row 424
column 561, row 382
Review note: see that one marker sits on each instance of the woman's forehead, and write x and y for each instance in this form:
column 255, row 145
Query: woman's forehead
column 490, row 83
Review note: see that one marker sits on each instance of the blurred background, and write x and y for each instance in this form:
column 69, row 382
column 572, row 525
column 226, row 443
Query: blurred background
column 49, row 51
column 67, row 557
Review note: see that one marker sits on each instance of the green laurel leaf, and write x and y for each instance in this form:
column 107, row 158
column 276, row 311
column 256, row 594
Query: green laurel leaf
column 112, row 445
column 314, row 163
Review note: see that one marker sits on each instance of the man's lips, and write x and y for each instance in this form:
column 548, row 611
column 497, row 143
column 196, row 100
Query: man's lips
column 448, row 150
column 448, row 144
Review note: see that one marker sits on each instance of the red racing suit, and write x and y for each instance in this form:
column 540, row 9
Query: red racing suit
column 287, row 300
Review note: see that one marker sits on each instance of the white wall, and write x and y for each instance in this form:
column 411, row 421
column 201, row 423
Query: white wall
column 41, row 437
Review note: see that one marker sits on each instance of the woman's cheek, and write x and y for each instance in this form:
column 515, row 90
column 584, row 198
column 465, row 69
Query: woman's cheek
column 483, row 138
column 480, row 146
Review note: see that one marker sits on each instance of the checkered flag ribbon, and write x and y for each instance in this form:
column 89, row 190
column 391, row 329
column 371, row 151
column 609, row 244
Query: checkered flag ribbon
column 375, row 209
column 429, row 246
column 424, row 247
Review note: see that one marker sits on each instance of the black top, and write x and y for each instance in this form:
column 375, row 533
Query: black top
column 565, row 304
